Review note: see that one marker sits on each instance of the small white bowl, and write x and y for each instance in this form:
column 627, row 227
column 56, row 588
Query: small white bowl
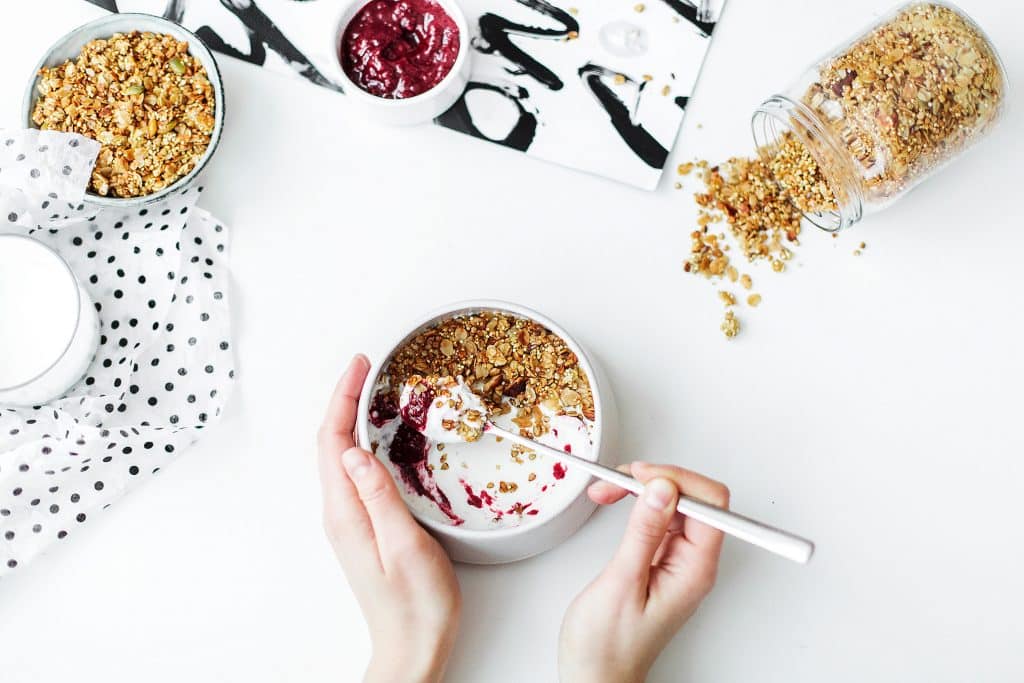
column 407, row 111
column 495, row 546
column 70, row 46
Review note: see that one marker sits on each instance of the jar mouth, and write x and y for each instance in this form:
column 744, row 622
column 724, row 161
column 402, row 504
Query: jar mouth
column 779, row 115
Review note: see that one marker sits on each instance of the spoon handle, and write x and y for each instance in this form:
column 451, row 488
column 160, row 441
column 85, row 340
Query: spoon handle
column 774, row 540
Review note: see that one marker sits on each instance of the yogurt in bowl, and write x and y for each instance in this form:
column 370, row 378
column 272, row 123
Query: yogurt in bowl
column 422, row 413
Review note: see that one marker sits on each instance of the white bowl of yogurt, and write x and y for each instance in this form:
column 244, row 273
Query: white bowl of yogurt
column 486, row 500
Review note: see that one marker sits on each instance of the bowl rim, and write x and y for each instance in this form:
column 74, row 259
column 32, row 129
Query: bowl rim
column 469, row 307
column 344, row 18
column 197, row 48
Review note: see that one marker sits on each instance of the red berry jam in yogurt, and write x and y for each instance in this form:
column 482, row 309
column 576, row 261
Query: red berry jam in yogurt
column 399, row 48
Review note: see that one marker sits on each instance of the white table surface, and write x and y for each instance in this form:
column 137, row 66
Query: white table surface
column 871, row 403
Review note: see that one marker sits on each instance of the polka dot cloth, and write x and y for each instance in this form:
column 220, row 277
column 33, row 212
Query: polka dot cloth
column 164, row 367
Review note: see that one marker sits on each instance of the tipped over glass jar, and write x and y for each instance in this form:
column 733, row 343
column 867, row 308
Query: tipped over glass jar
column 887, row 109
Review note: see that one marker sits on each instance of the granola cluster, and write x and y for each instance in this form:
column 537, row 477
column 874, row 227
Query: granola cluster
column 144, row 98
column 909, row 95
column 512, row 363
column 463, row 416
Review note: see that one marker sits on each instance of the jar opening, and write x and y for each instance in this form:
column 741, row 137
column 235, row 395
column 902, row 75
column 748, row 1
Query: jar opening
column 780, row 115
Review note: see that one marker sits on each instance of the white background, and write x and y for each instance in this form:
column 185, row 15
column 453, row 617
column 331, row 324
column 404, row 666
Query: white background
column 872, row 403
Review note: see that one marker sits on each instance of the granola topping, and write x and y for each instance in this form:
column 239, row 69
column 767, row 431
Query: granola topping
column 144, row 98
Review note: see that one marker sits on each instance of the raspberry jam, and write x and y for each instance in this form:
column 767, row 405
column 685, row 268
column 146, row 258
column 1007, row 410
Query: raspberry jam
column 383, row 409
column 415, row 412
column 396, row 49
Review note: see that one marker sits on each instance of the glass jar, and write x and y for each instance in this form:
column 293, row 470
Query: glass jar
column 890, row 107
column 49, row 329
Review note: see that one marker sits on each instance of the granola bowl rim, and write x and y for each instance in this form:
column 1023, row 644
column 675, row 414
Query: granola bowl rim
column 72, row 42
column 598, row 387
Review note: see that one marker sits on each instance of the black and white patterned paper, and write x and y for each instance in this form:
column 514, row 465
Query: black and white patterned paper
column 596, row 85
column 164, row 368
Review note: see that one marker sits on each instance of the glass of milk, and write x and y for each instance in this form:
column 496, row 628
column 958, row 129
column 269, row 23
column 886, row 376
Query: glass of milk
column 49, row 330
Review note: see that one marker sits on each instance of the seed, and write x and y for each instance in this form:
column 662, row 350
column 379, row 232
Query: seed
column 648, row 77
column 746, row 282
column 754, row 300
column 666, row 90
column 727, row 297
column 133, row 90
column 177, row 66
column 619, row 79
column 639, row 7
column 778, row 266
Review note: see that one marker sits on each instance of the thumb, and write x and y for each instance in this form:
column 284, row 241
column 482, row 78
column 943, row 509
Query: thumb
column 648, row 524
column 393, row 526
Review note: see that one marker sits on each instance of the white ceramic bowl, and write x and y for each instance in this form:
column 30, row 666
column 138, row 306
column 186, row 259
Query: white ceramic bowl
column 479, row 546
column 70, row 46
column 410, row 110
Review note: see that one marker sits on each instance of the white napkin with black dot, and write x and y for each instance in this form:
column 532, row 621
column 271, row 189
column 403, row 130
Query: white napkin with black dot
column 164, row 368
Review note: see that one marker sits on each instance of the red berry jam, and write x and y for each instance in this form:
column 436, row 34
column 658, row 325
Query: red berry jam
column 558, row 470
column 383, row 409
column 408, row 452
column 414, row 413
column 399, row 48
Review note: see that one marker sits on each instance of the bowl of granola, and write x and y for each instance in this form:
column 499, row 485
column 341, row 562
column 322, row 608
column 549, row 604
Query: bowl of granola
column 148, row 90
column 486, row 500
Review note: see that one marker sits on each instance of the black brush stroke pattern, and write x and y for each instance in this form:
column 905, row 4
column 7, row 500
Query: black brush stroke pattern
column 496, row 36
column 260, row 30
column 175, row 10
column 688, row 10
column 643, row 144
column 460, row 119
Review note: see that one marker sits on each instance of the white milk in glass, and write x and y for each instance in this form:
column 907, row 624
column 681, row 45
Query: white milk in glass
column 49, row 330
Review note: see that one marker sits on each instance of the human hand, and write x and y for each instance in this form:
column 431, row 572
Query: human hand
column 665, row 565
column 401, row 577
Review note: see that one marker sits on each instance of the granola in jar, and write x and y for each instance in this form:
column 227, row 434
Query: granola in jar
column 890, row 107
column 143, row 97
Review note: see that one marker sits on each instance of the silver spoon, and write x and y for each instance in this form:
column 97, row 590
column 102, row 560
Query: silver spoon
column 774, row 540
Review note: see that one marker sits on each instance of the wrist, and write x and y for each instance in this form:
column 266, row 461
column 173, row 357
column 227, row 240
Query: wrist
column 598, row 673
column 425, row 667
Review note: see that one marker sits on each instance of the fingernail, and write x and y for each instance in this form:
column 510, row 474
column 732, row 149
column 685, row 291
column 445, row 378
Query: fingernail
column 356, row 462
column 658, row 493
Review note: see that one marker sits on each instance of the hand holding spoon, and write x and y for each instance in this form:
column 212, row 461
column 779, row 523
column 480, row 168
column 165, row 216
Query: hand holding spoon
column 463, row 416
